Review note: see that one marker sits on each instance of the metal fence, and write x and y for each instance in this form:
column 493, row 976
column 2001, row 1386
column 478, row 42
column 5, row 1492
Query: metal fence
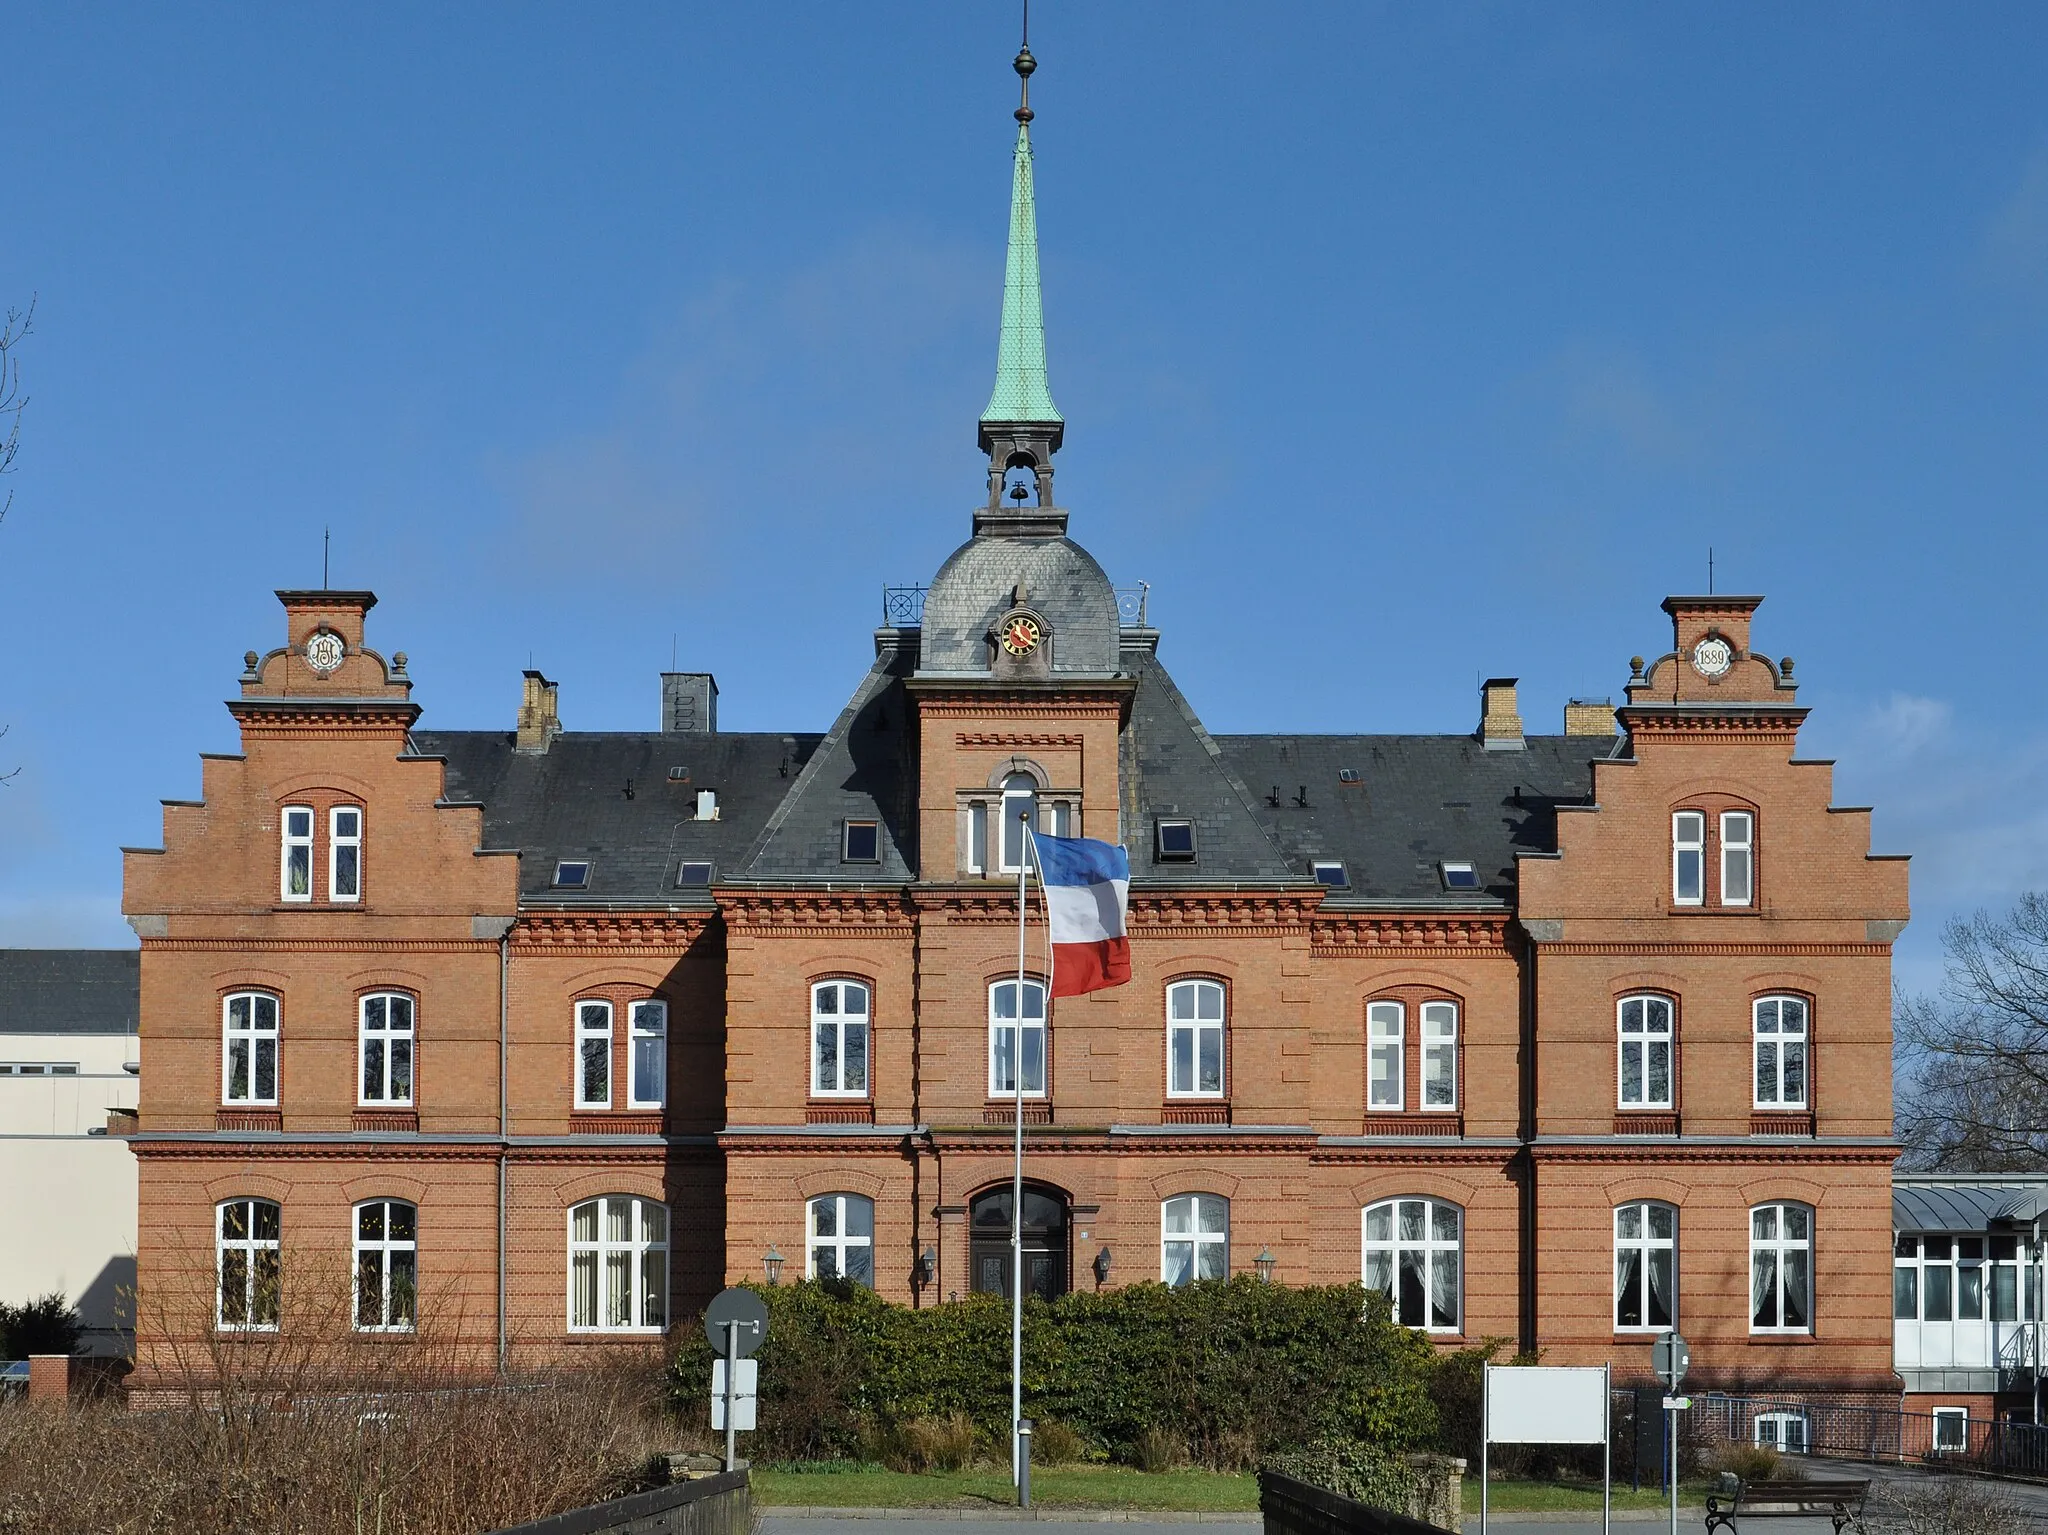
column 903, row 606
column 1867, row 1432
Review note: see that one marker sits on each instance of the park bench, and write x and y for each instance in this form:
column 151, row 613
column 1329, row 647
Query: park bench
column 1789, row 1498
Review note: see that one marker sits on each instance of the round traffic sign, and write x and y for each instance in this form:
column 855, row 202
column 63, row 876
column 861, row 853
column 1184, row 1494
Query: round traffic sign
column 1670, row 1358
column 741, row 1306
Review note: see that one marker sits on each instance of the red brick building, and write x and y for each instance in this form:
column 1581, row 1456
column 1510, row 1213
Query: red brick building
column 1558, row 1038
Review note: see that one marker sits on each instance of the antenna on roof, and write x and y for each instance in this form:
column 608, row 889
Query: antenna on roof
column 326, row 535
column 1710, row 570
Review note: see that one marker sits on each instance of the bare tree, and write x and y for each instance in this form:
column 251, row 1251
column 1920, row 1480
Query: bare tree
column 1973, row 1058
column 13, row 331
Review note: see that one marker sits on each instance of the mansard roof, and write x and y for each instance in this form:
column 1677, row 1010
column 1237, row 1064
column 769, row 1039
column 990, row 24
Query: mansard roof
column 70, row 991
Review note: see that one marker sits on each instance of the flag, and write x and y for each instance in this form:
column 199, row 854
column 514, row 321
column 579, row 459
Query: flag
column 1087, row 890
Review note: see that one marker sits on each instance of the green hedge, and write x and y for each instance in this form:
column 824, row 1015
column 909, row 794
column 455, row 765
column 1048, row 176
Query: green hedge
column 1235, row 1370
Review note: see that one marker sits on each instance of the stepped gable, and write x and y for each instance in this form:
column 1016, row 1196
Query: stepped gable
column 1419, row 799
column 860, row 769
column 571, row 802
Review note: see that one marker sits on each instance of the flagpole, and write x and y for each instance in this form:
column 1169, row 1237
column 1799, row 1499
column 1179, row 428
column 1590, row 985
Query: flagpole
column 1017, row 1180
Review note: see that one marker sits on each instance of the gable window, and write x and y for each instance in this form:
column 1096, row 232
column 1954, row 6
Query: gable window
column 1194, row 1238
column 248, row 1057
column 618, row 1265
column 1330, row 873
column 839, row 1039
column 572, row 874
column 1780, row 1051
column 863, row 842
column 297, row 874
column 246, row 1259
column 1384, row 1025
column 1645, row 1046
column 1412, row 1251
column 842, row 1239
column 387, row 1266
column 384, row 1037
column 1688, row 858
column 1194, row 1039
column 1020, row 817
column 593, row 1055
column 1176, row 842
column 1005, row 1027
column 1645, row 1268
column 649, row 1039
column 1738, row 857
column 1439, row 1055
column 345, row 853
column 1781, row 1268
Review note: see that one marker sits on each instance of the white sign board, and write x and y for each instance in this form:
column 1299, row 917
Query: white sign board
column 743, row 1385
column 1546, row 1404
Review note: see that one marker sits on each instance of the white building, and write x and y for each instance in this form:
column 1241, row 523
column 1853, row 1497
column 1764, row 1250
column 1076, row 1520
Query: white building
column 68, row 1054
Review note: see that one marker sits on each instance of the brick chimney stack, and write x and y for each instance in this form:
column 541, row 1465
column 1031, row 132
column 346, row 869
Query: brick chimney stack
column 539, row 718
column 1589, row 717
column 1500, row 726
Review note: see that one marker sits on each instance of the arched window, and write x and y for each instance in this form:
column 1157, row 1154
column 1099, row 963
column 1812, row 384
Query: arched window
column 384, row 1039
column 842, row 1238
column 649, row 1023
column 839, row 1039
column 618, row 1265
column 1781, row 1268
column 1439, row 1055
column 1019, row 809
column 1780, row 1048
column 247, row 1261
column 1194, row 1039
column 1194, row 1238
column 248, row 1057
column 1004, row 1027
column 1645, row 1267
column 593, row 1055
column 1412, row 1256
column 1645, row 1046
column 1384, row 1025
column 387, row 1266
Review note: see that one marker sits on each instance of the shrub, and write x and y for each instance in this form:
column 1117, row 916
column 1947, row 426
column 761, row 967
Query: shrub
column 1158, row 1449
column 1945, row 1505
column 926, row 1444
column 1751, row 1462
column 1356, row 1471
column 1054, row 1444
column 49, row 1325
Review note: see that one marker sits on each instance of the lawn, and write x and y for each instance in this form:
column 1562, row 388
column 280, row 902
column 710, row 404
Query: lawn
column 857, row 1486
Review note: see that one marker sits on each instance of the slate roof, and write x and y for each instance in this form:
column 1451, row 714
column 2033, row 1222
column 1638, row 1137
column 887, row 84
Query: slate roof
column 70, row 991
column 1061, row 580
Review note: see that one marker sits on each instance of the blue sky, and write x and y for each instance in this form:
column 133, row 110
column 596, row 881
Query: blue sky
column 1399, row 345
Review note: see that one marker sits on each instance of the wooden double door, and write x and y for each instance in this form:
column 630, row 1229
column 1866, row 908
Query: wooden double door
column 1047, row 1270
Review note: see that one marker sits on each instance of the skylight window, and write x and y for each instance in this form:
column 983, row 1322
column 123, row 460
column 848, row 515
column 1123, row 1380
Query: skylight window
column 572, row 874
column 1459, row 875
column 694, row 874
column 1329, row 872
column 1347, row 775
column 1176, row 841
column 863, row 842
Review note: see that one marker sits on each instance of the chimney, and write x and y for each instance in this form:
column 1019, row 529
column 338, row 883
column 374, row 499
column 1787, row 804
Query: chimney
column 689, row 703
column 1500, row 727
column 1589, row 717
column 539, row 720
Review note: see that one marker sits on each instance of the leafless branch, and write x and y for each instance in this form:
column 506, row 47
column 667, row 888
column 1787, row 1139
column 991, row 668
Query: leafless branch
column 14, row 329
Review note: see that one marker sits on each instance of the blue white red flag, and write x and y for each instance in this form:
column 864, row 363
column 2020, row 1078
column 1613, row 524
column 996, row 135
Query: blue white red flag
column 1087, row 892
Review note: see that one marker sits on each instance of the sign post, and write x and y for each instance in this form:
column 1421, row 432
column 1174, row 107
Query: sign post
column 1546, row 1404
column 735, row 1324
column 1670, row 1358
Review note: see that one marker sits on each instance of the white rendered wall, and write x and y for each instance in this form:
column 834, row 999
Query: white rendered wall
column 67, row 1198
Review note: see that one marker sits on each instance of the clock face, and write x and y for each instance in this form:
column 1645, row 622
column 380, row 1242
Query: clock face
column 1712, row 657
column 1021, row 634
column 325, row 650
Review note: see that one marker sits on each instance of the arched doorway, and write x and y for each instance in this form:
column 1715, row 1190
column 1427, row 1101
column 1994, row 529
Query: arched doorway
column 1045, row 1241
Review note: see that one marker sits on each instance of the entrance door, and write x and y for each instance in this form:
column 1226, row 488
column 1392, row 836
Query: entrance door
column 1045, row 1241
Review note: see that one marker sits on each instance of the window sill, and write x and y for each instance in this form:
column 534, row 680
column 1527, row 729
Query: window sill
column 387, row 1121
column 1186, row 1111
column 1414, row 1122
column 585, row 1337
column 1646, row 1122
column 1781, row 1122
column 1003, row 1111
column 1785, row 1339
column 839, row 1114
column 617, row 1122
column 1676, row 910
column 385, row 1335
column 249, row 1119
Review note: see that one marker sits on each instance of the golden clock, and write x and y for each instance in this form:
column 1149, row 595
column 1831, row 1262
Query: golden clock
column 1021, row 634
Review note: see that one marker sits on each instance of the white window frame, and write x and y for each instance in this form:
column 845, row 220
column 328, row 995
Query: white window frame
column 250, row 1039
column 1395, row 1250
column 1386, row 1088
column 1199, row 1242
column 1689, row 840
column 1197, row 1030
column 644, row 1250
column 291, row 842
column 1734, row 848
column 1643, row 1044
column 390, row 1036
column 836, row 1022
column 1941, row 1440
column 1438, row 1022
column 338, row 842
column 997, row 1027
column 593, row 1028
column 388, row 1253
column 647, row 1052
column 1770, row 1428
column 1778, row 1246
column 977, row 837
column 1014, row 795
column 840, row 1243
column 1777, row 1044
column 249, row 1248
column 1644, row 1245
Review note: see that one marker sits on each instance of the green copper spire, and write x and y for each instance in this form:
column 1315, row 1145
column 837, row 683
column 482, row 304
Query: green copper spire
column 1021, row 393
